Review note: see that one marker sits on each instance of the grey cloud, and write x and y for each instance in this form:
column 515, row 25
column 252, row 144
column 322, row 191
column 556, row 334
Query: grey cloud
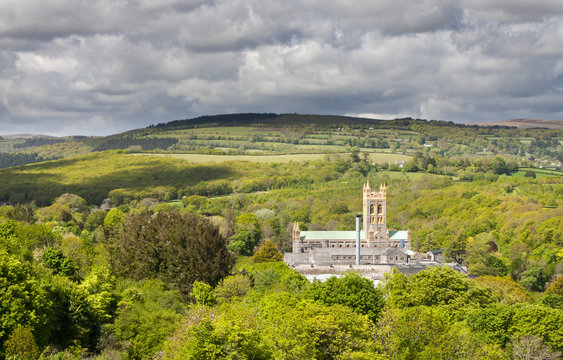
column 514, row 11
column 104, row 65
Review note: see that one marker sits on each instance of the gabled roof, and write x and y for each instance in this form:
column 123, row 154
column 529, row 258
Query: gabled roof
column 331, row 235
column 398, row 235
column 390, row 251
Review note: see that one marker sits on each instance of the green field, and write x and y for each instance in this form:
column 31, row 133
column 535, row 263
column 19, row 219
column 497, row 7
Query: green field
column 539, row 172
column 202, row 158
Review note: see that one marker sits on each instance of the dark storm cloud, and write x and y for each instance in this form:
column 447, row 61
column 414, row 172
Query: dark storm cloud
column 100, row 66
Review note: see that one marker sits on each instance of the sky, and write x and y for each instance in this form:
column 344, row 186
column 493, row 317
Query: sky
column 96, row 67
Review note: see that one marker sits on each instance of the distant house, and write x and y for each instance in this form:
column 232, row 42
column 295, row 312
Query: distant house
column 437, row 255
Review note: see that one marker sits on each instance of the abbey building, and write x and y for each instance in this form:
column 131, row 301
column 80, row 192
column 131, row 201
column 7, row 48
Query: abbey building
column 378, row 245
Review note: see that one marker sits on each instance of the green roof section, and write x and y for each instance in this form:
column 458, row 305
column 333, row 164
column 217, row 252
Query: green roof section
column 398, row 235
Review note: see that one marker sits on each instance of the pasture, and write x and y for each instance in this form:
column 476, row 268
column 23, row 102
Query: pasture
column 203, row 158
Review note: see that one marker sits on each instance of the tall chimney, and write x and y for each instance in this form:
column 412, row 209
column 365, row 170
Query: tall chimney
column 358, row 217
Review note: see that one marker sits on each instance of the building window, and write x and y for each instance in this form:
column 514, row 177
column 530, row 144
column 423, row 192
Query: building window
column 379, row 209
column 372, row 209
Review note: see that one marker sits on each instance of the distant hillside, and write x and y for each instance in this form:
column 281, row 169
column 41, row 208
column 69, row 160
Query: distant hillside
column 245, row 119
column 27, row 136
column 525, row 123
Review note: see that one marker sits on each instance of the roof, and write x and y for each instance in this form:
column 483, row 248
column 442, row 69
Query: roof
column 398, row 235
column 331, row 235
column 348, row 235
column 389, row 251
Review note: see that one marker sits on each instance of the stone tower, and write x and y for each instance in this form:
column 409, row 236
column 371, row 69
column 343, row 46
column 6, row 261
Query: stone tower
column 375, row 213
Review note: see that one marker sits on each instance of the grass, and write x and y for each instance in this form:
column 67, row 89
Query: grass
column 7, row 145
column 94, row 175
column 539, row 172
column 202, row 158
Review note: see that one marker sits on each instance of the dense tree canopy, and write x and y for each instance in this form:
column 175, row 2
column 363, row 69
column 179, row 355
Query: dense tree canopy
column 177, row 248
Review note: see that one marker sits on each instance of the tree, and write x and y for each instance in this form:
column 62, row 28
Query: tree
column 176, row 248
column 147, row 314
column 247, row 234
column 499, row 323
column 242, row 242
column 22, row 300
column 438, row 285
column 351, row 290
column 112, row 221
column 355, row 154
column 234, row 286
column 23, row 212
column 73, row 201
column 21, row 345
column 531, row 347
column 95, row 219
column 507, row 290
column 533, row 278
column 499, row 166
column 203, row 294
column 267, row 252
column 59, row 263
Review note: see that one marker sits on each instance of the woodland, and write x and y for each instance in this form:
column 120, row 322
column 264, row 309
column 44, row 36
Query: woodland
column 130, row 254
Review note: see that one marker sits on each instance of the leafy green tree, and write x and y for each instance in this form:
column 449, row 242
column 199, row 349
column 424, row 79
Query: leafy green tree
column 23, row 212
column 493, row 322
column 438, row 285
column 22, row 300
column 73, row 201
column 274, row 276
column 539, row 320
column 95, row 219
column 504, row 288
column 351, row 290
column 278, row 326
column 176, row 248
column 242, row 242
column 147, row 314
column 499, row 323
column 230, row 332
column 247, row 234
column 203, row 294
column 113, row 221
column 21, row 345
column 267, row 252
column 234, row 286
column 355, row 154
column 59, row 263
column 533, row 278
